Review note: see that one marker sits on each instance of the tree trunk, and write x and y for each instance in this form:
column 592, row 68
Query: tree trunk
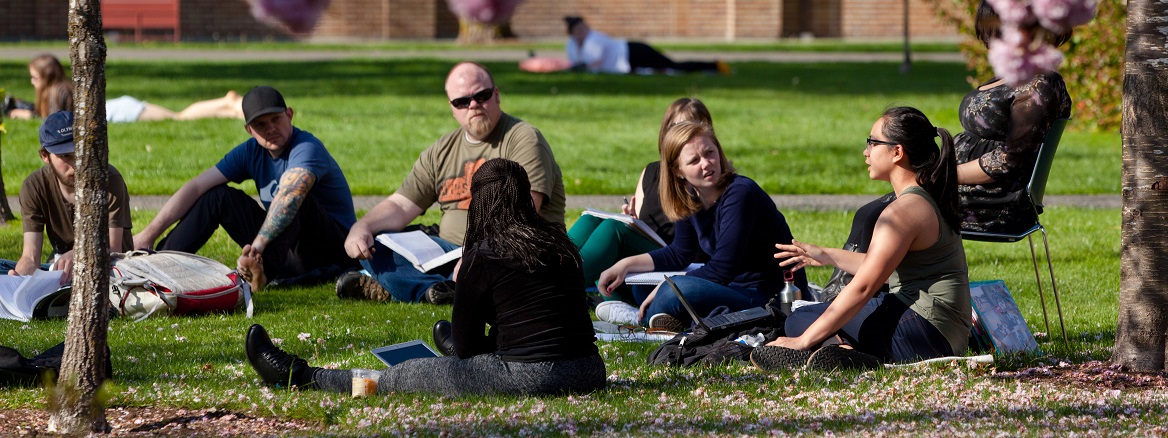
column 1142, row 333
column 76, row 406
column 5, row 209
column 474, row 32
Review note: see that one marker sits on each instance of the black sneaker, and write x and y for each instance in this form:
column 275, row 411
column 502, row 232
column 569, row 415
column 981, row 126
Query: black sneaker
column 358, row 286
column 772, row 358
column 276, row 367
column 834, row 357
column 441, row 292
column 443, row 339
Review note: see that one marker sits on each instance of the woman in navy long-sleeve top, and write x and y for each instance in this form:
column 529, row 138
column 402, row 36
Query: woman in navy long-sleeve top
column 717, row 212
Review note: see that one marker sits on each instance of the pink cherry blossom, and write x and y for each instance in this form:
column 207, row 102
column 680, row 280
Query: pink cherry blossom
column 1016, row 59
column 484, row 11
column 1013, row 12
column 299, row 16
column 1060, row 15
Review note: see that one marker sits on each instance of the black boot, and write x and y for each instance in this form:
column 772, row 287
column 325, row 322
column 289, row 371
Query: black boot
column 275, row 367
column 443, row 339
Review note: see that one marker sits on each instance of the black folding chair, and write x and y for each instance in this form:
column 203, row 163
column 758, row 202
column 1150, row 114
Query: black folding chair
column 1035, row 191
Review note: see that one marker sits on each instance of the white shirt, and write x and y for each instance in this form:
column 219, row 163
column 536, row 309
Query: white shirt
column 601, row 53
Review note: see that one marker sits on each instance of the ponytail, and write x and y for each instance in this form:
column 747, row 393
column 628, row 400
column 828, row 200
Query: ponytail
column 936, row 169
column 941, row 181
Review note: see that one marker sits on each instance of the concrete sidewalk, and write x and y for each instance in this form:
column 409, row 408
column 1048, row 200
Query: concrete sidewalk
column 613, row 202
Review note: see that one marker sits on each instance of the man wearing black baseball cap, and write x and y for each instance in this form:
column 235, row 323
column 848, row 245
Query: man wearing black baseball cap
column 307, row 206
column 47, row 199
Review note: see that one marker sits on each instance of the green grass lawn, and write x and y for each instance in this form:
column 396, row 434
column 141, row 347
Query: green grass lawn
column 795, row 128
column 198, row 362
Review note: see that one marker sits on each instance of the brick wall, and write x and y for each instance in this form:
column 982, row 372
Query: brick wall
column 885, row 18
column 654, row 18
column 382, row 19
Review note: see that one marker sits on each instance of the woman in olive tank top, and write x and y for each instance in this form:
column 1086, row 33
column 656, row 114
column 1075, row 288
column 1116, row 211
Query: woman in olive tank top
column 916, row 249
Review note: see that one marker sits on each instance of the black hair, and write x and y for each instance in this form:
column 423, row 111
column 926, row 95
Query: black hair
column 572, row 21
column 987, row 25
column 503, row 215
column 936, row 169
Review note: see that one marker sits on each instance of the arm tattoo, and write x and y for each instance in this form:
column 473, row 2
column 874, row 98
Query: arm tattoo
column 294, row 187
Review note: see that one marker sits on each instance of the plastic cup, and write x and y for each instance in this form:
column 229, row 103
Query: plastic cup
column 365, row 382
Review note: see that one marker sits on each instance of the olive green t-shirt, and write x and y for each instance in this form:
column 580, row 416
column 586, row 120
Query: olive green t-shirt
column 934, row 282
column 43, row 209
column 443, row 172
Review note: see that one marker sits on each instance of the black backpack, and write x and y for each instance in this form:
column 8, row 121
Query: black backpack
column 699, row 346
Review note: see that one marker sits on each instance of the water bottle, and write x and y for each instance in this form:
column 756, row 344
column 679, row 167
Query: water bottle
column 790, row 292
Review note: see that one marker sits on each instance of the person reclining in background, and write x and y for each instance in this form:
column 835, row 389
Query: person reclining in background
column 602, row 242
column 442, row 174
column 718, row 213
column 307, row 206
column 54, row 92
column 520, row 324
column 596, row 52
column 915, row 248
column 47, row 198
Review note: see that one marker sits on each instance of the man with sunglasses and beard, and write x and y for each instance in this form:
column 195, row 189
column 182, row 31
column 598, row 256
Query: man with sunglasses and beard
column 442, row 175
column 47, row 202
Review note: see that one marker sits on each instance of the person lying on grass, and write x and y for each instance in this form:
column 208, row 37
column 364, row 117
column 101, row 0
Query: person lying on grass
column 520, row 276
column 915, row 248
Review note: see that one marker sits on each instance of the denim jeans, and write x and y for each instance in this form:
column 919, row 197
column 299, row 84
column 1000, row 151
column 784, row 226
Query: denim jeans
column 398, row 276
column 704, row 296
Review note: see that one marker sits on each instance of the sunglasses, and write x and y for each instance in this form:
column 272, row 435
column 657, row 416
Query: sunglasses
column 480, row 97
column 872, row 141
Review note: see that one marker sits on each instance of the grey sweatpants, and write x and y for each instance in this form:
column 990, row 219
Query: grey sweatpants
column 481, row 375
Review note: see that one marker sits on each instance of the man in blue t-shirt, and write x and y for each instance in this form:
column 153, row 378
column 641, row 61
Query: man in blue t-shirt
column 307, row 207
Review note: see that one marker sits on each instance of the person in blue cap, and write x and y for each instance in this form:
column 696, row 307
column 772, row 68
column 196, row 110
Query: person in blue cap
column 47, row 204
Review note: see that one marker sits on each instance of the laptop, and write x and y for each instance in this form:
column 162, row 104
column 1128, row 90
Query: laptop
column 397, row 353
column 718, row 322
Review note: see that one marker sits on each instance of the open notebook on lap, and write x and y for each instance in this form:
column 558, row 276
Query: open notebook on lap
column 718, row 322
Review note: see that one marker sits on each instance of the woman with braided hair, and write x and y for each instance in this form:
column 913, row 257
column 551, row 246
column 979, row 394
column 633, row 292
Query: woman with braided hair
column 915, row 249
column 520, row 275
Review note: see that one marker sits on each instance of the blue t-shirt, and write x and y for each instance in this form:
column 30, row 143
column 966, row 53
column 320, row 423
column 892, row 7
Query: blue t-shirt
column 738, row 233
column 251, row 161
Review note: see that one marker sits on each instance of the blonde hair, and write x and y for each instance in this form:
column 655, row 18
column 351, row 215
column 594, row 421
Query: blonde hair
column 678, row 201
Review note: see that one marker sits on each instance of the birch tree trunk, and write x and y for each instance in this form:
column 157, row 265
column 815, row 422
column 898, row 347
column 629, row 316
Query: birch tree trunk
column 77, row 406
column 1140, row 339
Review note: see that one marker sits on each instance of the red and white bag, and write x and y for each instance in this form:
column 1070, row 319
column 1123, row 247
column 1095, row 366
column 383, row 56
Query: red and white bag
column 143, row 284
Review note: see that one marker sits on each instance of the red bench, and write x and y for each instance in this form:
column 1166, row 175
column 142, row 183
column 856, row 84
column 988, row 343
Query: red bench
column 141, row 14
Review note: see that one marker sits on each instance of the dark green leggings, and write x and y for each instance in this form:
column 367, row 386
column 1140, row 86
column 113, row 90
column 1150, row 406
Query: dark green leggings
column 603, row 242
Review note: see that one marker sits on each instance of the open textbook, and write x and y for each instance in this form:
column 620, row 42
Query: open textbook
column 656, row 277
column 36, row 295
column 636, row 224
column 419, row 249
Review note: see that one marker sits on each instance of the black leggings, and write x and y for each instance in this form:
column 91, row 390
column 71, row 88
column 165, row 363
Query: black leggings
column 886, row 328
column 641, row 55
column 312, row 240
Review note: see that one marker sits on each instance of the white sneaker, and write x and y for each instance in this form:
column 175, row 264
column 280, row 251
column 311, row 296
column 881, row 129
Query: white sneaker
column 617, row 312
